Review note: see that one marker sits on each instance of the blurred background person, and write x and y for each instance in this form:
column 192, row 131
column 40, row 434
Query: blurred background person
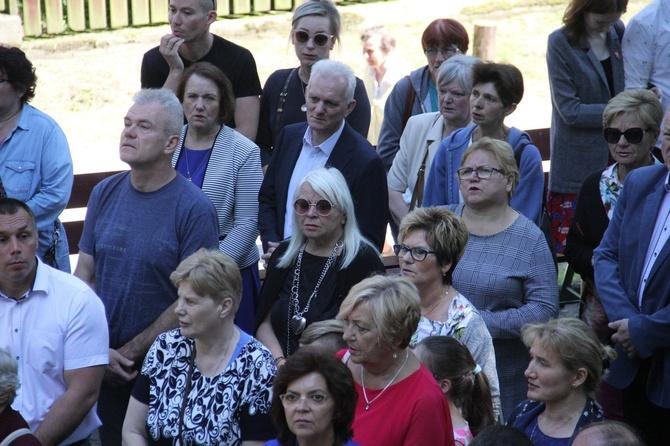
column 498, row 434
column 399, row 402
column 463, row 383
column 632, row 123
column 608, row 433
column 310, row 274
column 326, row 336
column 585, row 66
column 424, row 133
column 12, row 424
column 313, row 401
column 316, row 26
column 226, row 166
column 417, row 93
column 206, row 382
column 35, row 155
column 507, row 270
column 565, row 369
column 432, row 241
column 497, row 89
column 383, row 71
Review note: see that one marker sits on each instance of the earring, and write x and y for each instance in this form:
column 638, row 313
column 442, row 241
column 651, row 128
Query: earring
column 574, row 385
column 395, row 355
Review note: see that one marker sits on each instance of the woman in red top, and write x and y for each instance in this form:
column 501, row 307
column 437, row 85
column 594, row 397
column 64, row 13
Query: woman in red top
column 399, row 402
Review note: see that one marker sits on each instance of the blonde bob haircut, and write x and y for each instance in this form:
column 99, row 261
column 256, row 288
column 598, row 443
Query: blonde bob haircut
column 212, row 274
column 395, row 306
column 642, row 103
column 504, row 155
column 446, row 234
column 576, row 345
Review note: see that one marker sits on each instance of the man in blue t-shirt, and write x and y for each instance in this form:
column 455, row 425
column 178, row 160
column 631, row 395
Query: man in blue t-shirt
column 139, row 226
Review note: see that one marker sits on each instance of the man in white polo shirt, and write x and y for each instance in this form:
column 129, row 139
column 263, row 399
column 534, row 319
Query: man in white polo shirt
column 55, row 327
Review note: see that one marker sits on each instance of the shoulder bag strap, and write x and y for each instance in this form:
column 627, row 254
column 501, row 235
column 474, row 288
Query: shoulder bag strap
column 409, row 103
column 417, row 194
column 14, row 435
column 282, row 100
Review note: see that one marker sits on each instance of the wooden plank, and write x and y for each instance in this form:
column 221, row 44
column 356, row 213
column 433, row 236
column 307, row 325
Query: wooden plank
column 76, row 15
column 282, row 5
column 97, row 14
column 241, row 6
column 222, row 8
column 53, row 12
column 140, row 12
column 118, row 13
column 14, row 7
column 261, row 5
column 159, row 11
column 32, row 18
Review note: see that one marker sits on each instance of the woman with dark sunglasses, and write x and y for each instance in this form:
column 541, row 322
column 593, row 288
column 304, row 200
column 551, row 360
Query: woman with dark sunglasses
column 631, row 122
column 315, row 29
column 309, row 275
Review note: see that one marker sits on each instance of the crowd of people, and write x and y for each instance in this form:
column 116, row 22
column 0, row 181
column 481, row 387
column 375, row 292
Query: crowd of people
column 164, row 333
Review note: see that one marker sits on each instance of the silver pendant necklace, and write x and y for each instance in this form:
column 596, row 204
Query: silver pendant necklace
column 298, row 322
column 365, row 395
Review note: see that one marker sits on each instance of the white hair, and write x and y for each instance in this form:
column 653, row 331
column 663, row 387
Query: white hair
column 457, row 67
column 331, row 185
column 332, row 69
column 9, row 377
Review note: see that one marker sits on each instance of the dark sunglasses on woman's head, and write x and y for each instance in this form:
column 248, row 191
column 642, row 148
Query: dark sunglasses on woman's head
column 633, row 135
column 322, row 207
column 319, row 39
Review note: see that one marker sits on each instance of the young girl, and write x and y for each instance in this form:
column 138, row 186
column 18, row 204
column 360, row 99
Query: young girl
column 466, row 388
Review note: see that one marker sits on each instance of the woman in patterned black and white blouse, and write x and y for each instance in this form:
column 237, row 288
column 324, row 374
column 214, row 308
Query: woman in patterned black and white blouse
column 206, row 382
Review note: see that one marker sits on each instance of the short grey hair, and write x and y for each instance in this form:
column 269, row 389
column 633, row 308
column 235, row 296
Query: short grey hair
column 173, row 113
column 319, row 8
column 332, row 69
column 9, row 377
column 387, row 41
column 457, row 67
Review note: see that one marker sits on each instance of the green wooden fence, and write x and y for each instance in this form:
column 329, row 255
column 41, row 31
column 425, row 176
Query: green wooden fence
column 62, row 16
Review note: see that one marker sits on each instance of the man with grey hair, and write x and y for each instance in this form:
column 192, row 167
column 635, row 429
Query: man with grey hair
column 139, row 226
column 608, row 433
column 325, row 140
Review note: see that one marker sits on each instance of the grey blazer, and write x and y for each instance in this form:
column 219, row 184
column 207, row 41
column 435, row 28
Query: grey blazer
column 579, row 93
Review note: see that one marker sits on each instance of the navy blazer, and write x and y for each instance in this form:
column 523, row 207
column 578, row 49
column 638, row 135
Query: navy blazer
column 619, row 261
column 353, row 156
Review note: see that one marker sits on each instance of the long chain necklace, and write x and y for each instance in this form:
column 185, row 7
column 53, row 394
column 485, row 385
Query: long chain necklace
column 190, row 175
column 298, row 322
column 365, row 395
column 548, row 434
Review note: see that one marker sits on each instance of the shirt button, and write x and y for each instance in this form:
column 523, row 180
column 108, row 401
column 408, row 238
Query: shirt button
column 16, row 330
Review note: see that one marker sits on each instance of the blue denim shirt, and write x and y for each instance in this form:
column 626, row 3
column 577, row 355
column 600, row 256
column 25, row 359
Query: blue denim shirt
column 37, row 169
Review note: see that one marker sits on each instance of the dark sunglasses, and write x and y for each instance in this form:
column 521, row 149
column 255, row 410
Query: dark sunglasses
column 319, row 39
column 633, row 135
column 322, row 207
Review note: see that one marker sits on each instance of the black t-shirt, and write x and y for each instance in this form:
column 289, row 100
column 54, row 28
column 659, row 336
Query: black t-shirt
column 236, row 62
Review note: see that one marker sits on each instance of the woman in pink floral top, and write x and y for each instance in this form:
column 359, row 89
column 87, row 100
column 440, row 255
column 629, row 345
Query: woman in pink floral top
column 431, row 242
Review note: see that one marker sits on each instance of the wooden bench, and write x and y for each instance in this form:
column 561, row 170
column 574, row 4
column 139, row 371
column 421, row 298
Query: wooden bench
column 73, row 218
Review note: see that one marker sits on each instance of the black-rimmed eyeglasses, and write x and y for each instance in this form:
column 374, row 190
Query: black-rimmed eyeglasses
column 417, row 253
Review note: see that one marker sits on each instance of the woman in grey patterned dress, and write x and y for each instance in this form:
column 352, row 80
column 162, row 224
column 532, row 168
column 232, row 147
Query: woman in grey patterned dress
column 507, row 270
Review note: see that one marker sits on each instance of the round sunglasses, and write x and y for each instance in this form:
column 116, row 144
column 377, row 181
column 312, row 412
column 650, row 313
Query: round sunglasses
column 633, row 135
column 322, row 207
column 319, row 39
